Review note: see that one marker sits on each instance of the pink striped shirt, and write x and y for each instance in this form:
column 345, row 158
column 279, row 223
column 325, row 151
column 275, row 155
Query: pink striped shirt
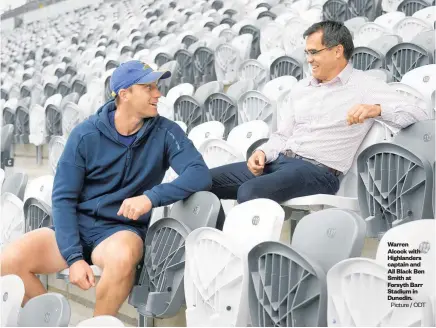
column 316, row 126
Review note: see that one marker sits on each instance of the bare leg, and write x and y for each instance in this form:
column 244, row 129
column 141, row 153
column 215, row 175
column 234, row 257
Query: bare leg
column 35, row 253
column 118, row 256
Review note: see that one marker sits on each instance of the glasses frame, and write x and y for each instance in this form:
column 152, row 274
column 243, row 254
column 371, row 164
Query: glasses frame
column 315, row 52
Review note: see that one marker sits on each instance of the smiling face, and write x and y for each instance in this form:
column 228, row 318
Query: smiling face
column 141, row 99
column 325, row 60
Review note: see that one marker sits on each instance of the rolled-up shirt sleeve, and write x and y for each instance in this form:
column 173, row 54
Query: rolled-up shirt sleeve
column 277, row 141
column 397, row 110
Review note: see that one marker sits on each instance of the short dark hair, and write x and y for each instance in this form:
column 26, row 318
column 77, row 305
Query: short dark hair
column 334, row 33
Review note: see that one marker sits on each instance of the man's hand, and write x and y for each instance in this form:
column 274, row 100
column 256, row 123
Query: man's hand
column 359, row 113
column 81, row 275
column 133, row 208
column 256, row 162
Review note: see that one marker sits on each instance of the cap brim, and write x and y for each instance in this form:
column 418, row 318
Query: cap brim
column 154, row 77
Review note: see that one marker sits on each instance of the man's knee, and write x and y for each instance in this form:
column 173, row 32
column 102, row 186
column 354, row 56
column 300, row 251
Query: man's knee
column 123, row 259
column 12, row 260
column 249, row 191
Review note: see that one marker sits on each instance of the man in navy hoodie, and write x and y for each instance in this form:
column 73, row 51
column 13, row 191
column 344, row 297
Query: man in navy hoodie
column 107, row 181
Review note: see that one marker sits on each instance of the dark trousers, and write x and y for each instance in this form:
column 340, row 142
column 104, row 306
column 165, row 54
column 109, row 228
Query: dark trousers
column 283, row 179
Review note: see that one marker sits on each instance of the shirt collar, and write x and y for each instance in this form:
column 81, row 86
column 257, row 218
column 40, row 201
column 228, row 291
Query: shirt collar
column 342, row 77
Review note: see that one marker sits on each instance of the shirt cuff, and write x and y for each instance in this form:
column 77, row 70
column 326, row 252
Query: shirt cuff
column 154, row 198
column 74, row 258
column 270, row 155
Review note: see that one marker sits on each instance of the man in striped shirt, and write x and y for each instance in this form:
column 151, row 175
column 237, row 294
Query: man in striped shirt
column 331, row 113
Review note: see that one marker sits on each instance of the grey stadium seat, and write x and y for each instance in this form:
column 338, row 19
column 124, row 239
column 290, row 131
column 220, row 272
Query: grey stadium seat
column 166, row 84
column 336, row 10
column 22, row 129
column 220, row 107
column 185, row 73
column 396, row 179
column 160, row 291
column 48, row 310
column 287, row 285
column 188, row 110
column 366, row 8
column 15, row 184
column 406, row 56
column 286, row 65
column 37, row 214
column 255, row 45
column 409, row 7
column 204, row 66
column 7, row 137
column 365, row 58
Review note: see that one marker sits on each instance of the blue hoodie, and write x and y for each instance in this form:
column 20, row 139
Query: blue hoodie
column 96, row 173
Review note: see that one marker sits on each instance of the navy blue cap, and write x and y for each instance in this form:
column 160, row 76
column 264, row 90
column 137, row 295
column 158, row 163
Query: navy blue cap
column 134, row 72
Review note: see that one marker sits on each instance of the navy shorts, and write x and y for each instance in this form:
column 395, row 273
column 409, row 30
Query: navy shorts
column 93, row 232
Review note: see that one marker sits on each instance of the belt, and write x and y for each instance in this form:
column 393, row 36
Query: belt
column 290, row 153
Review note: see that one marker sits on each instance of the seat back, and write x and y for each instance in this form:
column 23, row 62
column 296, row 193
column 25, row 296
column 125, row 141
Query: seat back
column 204, row 66
column 365, row 58
column 37, row 214
column 217, row 152
column 287, row 65
column 286, row 289
column 185, row 73
column 160, row 290
column 426, row 14
column 405, row 57
column 336, row 10
column 255, row 44
column 240, row 87
column 184, row 89
column 48, row 310
column 348, row 186
column 55, row 150
column 271, row 37
column 254, row 105
column 214, row 280
column 166, row 84
column 369, row 32
column 368, row 8
column 72, row 115
column 12, row 218
column 219, row 107
column 335, row 235
column 293, row 35
column 12, row 289
column 15, row 184
column 353, row 24
column 252, row 69
column 409, row 27
column 259, row 219
column 216, row 276
column 244, row 135
column 423, row 79
column 396, row 179
column 414, row 96
column 384, row 43
column 391, row 17
column 357, row 297
column 227, row 62
column 188, row 110
column 199, row 210
column 410, row 7
column 206, row 90
column 40, row 188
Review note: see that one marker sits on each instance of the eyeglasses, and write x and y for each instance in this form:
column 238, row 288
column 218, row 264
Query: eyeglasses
column 313, row 52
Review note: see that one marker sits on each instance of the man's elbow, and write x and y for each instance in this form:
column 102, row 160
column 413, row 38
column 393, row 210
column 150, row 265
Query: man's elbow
column 204, row 179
